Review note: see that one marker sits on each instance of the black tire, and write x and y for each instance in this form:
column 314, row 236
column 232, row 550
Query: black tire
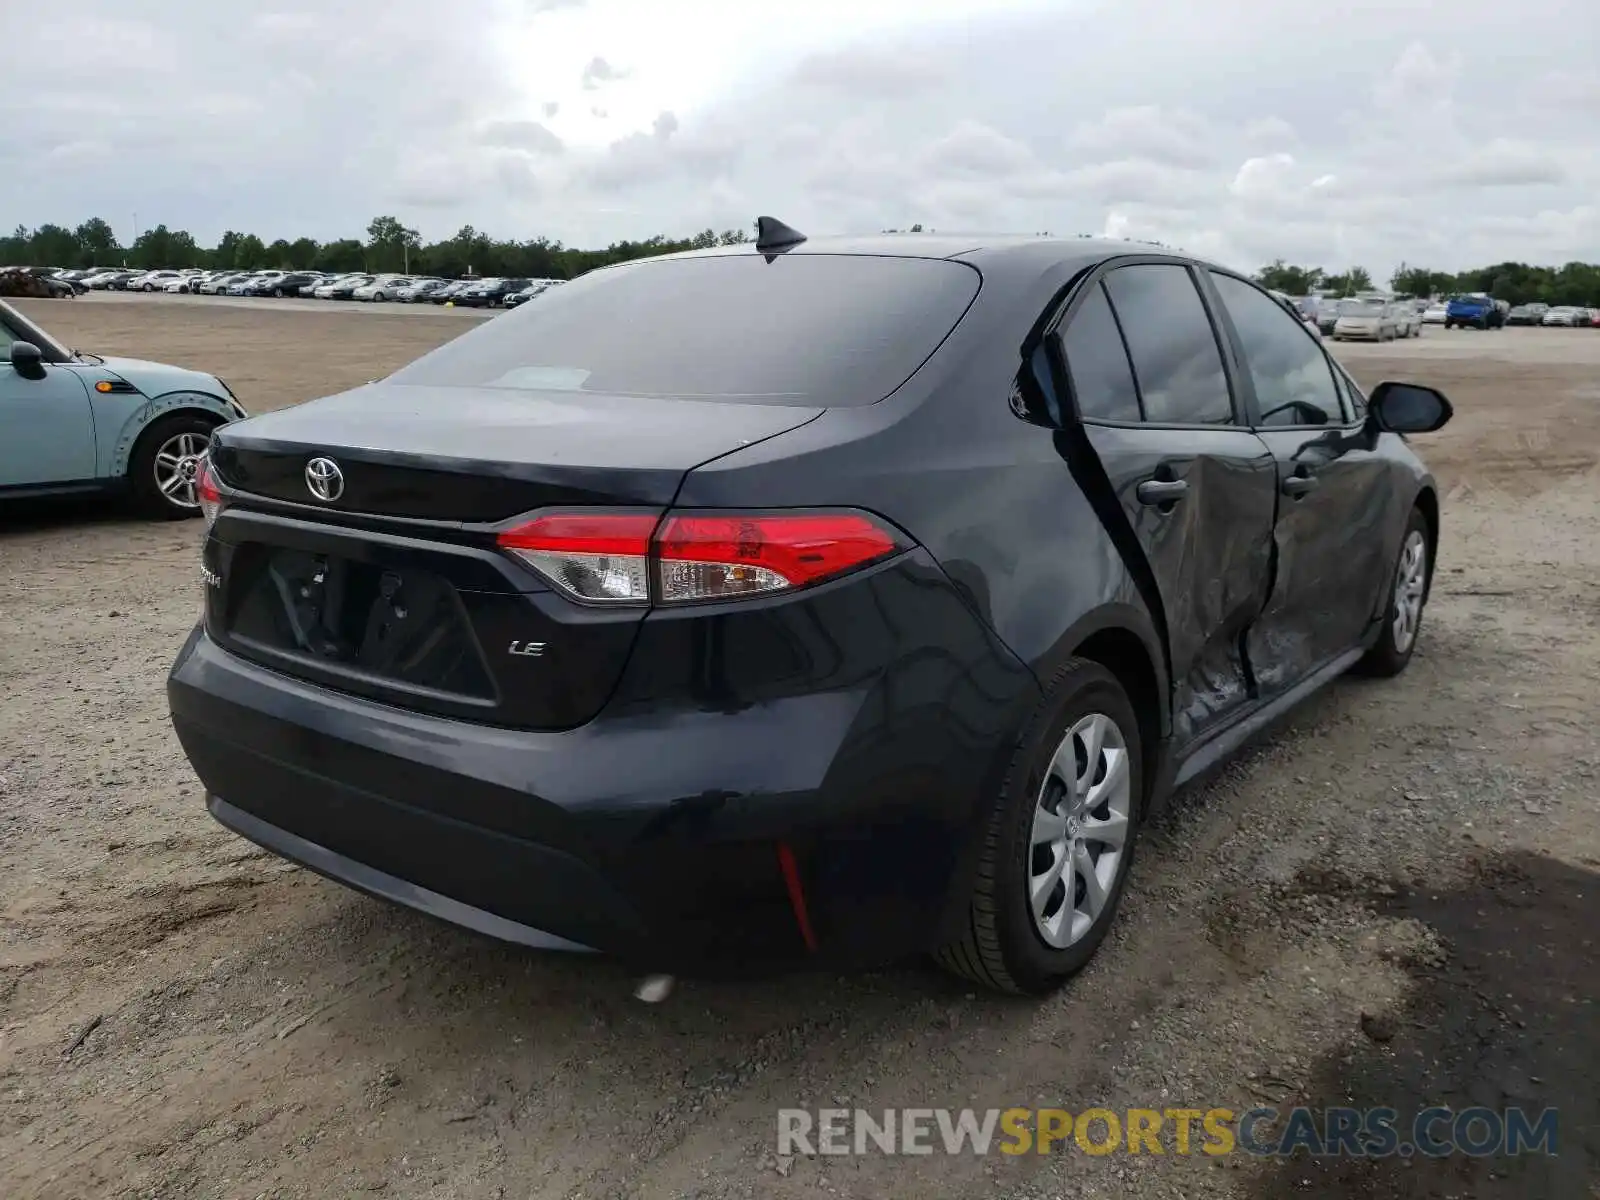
column 143, row 489
column 1000, row 946
column 1387, row 658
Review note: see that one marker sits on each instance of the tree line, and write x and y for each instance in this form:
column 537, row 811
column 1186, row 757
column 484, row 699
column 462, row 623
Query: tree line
column 1576, row 283
column 392, row 246
column 389, row 246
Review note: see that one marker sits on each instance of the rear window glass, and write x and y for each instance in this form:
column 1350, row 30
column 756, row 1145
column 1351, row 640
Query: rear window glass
column 804, row 329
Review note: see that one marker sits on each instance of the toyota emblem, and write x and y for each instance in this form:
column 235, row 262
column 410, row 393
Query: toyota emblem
column 325, row 479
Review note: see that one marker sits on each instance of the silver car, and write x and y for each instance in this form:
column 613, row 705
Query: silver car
column 1367, row 321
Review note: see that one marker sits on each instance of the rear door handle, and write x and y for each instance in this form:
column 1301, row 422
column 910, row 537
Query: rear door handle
column 1299, row 485
column 1162, row 491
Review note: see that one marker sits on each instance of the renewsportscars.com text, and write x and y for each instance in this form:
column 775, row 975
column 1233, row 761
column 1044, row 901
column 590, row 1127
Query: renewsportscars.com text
column 1318, row 1132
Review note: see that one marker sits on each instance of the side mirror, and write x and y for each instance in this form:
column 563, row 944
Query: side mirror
column 27, row 360
column 1409, row 408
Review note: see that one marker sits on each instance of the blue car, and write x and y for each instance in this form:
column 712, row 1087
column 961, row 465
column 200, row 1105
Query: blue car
column 1476, row 310
column 73, row 422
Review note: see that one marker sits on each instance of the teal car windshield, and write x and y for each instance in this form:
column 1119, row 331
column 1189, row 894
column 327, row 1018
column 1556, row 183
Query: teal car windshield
column 27, row 331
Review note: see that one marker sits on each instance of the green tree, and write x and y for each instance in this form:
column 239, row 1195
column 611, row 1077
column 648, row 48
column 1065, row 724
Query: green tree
column 390, row 245
column 226, row 254
column 16, row 250
column 1356, row 279
column 97, row 243
column 1294, row 281
column 303, row 253
column 345, row 255
column 250, row 254
column 54, row 246
column 160, row 247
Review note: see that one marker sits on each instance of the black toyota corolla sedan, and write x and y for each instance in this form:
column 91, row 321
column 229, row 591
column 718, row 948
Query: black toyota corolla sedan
column 811, row 601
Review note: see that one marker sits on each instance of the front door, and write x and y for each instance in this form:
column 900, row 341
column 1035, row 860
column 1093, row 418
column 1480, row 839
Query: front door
column 1196, row 487
column 46, row 425
column 1330, row 559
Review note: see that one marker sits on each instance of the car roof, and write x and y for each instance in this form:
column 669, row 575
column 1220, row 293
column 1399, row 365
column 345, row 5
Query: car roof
column 990, row 253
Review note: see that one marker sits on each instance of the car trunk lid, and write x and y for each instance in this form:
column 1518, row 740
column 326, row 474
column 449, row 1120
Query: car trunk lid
column 487, row 454
column 394, row 588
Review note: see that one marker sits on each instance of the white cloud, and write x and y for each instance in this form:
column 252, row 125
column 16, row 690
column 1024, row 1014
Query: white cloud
column 1269, row 131
column 1504, row 163
column 1172, row 136
column 522, row 135
column 598, row 71
column 598, row 120
column 870, row 71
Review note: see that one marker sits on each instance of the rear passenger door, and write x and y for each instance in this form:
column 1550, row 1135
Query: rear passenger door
column 1195, row 486
column 1330, row 537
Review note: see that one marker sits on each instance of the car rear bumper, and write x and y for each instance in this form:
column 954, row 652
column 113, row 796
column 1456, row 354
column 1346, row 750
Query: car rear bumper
column 378, row 883
column 801, row 828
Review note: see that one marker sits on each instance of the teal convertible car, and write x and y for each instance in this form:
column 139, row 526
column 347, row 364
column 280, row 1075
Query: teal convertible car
column 74, row 422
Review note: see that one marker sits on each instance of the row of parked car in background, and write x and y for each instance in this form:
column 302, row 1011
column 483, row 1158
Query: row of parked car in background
column 1379, row 317
column 1569, row 316
column 472, row 292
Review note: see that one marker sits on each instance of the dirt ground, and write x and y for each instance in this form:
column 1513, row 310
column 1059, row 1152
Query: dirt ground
column 1391, row 901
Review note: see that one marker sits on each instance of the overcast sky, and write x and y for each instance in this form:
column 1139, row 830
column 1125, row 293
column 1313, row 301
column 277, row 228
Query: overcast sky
column 1365, row 131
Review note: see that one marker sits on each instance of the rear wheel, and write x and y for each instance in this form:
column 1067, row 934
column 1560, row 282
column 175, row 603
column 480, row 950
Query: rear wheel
column 1059, row 840
column 1408, row 593
column 162, row 470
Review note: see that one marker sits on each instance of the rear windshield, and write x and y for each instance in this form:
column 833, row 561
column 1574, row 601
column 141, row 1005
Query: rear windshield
column 803, row 329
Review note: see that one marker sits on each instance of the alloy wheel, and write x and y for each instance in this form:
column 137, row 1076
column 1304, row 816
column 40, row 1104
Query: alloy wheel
column 1080, row 831
column 1410, row 582
column 176, row 464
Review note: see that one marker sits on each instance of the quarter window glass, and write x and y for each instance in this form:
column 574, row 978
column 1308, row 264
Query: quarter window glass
column 1175, row 357
column 1102, row 381
column 1293, row 379
column 1355, row 403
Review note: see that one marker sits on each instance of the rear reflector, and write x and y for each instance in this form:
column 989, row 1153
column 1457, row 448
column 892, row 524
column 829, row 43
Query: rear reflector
column 634, row 558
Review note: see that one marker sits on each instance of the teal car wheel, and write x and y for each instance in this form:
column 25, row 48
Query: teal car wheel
column 162, row 469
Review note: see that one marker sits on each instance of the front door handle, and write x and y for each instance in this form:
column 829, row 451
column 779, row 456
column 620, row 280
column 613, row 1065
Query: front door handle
column 1162, row 491
column 1299, row 485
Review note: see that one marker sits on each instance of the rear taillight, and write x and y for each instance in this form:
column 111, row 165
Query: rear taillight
column 717, row 557
column 602, row 558
column 207, row 490
column 636, row 558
